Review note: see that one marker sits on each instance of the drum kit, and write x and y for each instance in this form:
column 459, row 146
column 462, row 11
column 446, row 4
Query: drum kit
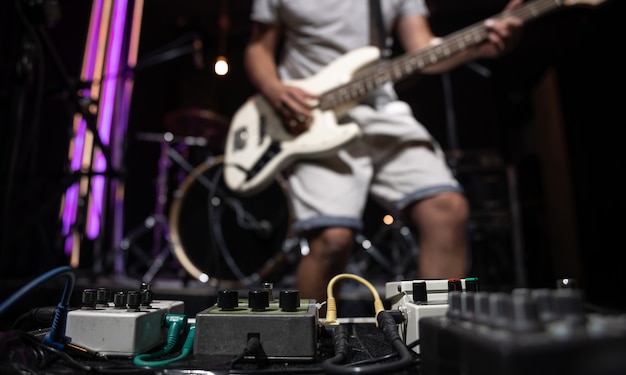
column 217, row 237
column 231, row 241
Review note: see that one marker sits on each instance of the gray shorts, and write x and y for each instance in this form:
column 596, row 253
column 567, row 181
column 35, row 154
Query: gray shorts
column 396, row 161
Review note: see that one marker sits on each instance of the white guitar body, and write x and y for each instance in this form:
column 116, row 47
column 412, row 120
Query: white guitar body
column 258, row 145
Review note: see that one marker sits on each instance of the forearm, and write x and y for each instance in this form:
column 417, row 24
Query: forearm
column 261, row 68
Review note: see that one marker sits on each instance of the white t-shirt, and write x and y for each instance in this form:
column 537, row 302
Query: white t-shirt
column 319, row 31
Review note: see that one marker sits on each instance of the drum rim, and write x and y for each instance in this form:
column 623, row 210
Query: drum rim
column 271, row 264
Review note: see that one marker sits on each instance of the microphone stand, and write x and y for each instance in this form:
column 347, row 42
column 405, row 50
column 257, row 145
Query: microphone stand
column 186, row 44
column 36, row 43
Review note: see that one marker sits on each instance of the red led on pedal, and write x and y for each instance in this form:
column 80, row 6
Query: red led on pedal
column 455, row 285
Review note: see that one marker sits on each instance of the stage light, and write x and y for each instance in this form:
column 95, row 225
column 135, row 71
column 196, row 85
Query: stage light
column 221, row 66
column 221, row 63
column 112, row 38
column 388, row 219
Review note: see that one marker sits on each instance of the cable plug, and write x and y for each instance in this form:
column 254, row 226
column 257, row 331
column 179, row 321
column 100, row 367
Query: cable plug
column 331, row 311
column 177, row 323
column 188, row 344
column 56, row 336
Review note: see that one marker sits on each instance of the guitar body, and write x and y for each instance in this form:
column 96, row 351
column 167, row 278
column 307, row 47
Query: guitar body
column 258, row 146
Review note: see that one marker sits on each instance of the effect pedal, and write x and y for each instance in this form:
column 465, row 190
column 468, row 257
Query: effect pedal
column 418, row 299
column 527, row 331
column 286, row 329
column 131, row 324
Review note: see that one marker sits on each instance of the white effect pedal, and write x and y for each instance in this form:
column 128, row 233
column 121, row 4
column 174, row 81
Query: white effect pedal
column 417, row 299
column 121, row 331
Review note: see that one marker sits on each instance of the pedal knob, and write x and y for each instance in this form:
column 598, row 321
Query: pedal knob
column 227, row 300
column 454, row 305
column 119, row 300
column 481, row 307
column 420, row 293
column 543, row 299
column 467, row 306
column 133, row 300
column 289, row 300
column 147, row 296
column 89, row 298
column 501, row 310
column 525, row 314
column 569, row 304
column 258, row 300
column 103, row 296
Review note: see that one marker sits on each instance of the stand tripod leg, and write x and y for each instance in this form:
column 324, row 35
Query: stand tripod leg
column 157, row 222
column 374, row 252
column 128, row 243
column 156, row 265
column 159, row 260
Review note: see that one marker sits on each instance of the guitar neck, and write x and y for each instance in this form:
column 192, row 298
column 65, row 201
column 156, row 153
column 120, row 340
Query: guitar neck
column 403, row 66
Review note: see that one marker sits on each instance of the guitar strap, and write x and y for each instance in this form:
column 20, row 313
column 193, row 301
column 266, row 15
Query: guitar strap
column 377, row 28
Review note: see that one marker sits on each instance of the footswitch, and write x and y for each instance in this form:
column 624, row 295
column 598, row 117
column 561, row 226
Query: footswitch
column 126, row 328
column 417, row 299
column 286, row 329
column 538, row 331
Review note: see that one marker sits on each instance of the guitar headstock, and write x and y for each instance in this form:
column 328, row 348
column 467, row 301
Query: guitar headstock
column 582, row 2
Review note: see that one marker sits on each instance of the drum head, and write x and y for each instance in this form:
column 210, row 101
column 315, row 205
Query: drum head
column 223, row 239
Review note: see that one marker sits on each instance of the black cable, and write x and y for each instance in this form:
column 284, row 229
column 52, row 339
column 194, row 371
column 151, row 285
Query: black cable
column 386, row 322
column 282, row 370
column 42, row 354
column 413, row 344
column 253, row 348
column 36, row 318
column 340, row 342
column 34, row 357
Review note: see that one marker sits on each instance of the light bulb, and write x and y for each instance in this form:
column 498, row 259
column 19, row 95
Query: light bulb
column 221, row 66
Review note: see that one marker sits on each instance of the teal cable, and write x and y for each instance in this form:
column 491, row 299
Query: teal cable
column 145, row 359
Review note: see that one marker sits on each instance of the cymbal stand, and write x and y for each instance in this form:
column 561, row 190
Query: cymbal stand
column 157, row 221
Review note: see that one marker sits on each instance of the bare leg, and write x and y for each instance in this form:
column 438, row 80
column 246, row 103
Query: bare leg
column 330, row 251
column 441, row 221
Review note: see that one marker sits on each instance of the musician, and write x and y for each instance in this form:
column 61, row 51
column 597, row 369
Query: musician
column 396, row 159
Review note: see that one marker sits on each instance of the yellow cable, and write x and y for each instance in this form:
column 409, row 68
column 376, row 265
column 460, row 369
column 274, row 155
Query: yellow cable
column 331, row 304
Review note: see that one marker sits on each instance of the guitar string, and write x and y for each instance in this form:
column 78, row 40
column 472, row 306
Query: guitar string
column 392, row 71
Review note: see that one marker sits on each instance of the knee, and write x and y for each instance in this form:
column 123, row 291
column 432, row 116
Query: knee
column 457, row 206
column 333, row 244
column 452, row 208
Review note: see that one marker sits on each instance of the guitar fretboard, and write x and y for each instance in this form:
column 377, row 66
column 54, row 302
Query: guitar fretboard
column 403, row 66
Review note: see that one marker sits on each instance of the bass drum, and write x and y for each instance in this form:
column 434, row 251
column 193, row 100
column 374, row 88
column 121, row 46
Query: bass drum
column 226, row 240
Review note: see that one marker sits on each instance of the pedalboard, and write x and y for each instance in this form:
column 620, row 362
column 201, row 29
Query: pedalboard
column 417, row 299
column 287, row 328
column 527, row 331
column 123, row 324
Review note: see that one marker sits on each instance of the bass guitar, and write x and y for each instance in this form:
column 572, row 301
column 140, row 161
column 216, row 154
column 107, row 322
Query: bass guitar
column 258, row 146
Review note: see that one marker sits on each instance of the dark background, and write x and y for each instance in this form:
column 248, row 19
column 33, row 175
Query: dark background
column 534, row 135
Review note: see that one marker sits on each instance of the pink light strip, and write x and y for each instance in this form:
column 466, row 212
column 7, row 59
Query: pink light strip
column 71, row 195
column 107, row 107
